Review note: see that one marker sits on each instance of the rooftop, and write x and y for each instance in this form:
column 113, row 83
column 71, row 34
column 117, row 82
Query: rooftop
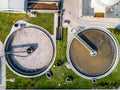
column 15, row 5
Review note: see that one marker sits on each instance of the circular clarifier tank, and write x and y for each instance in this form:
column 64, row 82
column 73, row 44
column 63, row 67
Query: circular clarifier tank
column 29, row 51
column 93, row 53
column 108, row 2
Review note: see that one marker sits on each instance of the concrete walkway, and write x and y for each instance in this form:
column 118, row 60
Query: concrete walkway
column 73, row 12
column 2, row 69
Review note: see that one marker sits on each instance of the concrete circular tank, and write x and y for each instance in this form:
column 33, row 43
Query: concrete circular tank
column 108, row 3
column 93, row 53
column 29, row 51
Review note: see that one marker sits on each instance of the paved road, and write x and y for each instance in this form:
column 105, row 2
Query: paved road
column 73, row 12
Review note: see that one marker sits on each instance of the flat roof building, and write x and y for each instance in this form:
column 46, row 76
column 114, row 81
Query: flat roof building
column 22, row 6
column 13, row 5
column 101, row 8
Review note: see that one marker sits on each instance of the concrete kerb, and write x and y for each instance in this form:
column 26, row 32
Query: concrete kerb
column 3, row 68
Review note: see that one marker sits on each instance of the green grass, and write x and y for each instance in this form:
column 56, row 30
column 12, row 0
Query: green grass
column 113, row 80
column 116, row 33
column 59, row 73
column 8, row 19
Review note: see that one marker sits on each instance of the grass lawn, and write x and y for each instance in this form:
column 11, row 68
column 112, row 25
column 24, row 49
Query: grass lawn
column 116, row 33
column 112, row 80
column 59, row 73
column 8, row 19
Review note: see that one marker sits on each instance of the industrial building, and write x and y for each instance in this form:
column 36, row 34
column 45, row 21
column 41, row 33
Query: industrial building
column 101, row 8
column 23, row 6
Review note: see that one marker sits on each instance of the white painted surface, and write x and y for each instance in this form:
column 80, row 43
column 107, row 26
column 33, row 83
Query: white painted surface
column 4, row 4
column 13, row 5
column 97, row 7
column 17, row 4
column 109, row 2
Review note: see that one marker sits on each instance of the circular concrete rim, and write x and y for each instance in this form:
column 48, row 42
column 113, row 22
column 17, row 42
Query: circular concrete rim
column 111, row 69
column 107, row 3
column 53, row 57
column 1, row 47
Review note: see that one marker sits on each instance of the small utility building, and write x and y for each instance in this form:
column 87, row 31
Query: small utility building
column 13, row 6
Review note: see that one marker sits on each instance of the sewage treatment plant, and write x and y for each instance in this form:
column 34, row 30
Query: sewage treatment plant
column 93, row 53
column 29, row 51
